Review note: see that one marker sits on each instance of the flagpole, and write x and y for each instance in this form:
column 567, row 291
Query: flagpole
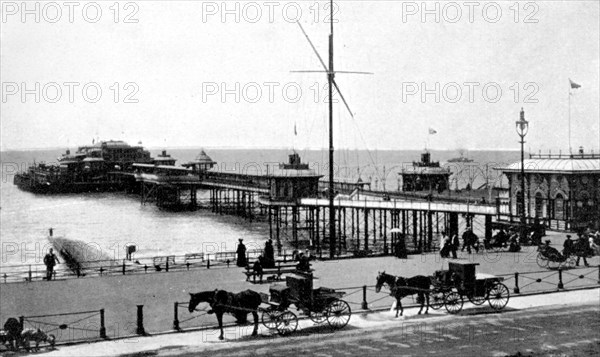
column 570, row 151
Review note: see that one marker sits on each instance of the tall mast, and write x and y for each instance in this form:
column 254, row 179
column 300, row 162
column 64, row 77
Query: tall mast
column 330, row 77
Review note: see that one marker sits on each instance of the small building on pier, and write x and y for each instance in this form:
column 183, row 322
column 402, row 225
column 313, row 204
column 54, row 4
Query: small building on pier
column 201, row 163
column 293, row 180
column 424, row 175
column 561, row 191
column 164, row 159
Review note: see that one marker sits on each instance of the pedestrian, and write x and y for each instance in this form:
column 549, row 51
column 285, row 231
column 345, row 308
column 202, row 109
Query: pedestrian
column 454, row 244
column 594, row 248
column 269, row 260
column 568, row 246
column 445, row 246
column 241, row 254
column 50, row 260
column 468, row 238
column 581, row 249
column 303, row 264
column 465, row 239
column 474, row 242
column 257, row 268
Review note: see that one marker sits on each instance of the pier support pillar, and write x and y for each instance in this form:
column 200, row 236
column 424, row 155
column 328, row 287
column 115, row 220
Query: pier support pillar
column 366, row 229
column 453, row 222
column 488, row 228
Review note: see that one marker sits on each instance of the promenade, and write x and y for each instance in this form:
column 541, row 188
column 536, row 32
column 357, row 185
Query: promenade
column 120, row 295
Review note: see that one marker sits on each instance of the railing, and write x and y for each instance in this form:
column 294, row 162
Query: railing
column 141, row 265
column 424, row 196
column 91, row 325
column 69, row 327
column 365, row 298
column 560, row 155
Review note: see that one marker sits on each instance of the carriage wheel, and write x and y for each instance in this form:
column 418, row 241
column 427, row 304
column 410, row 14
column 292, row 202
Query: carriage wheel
column 287, row 323
column 477, row 300
column 436, row 300
column 541, row 260
column 453, row 302
column 553, row 264
column 318, row 317
column 270, row 318
column 338, row 313
column 498, row 296
column 570, row 262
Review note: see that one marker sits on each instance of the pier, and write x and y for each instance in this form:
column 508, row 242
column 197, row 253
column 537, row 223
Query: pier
column 292, row 199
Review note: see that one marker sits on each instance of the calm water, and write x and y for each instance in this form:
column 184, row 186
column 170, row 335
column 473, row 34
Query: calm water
column 109, row 221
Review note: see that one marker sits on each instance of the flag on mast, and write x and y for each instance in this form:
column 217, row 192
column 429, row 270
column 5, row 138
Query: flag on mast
column 295, row 131
column 573, row 84
column 432, row 131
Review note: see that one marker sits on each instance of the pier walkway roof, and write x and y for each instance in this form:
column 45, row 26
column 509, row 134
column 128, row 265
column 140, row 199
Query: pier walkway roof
column 472, row 208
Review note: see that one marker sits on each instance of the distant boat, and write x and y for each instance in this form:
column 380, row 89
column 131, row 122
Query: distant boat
column 462, row 158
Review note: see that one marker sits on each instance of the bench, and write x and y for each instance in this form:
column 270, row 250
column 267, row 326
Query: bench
column 223, row 256
column 193, row 258
column 167, row 261
column 276, row 273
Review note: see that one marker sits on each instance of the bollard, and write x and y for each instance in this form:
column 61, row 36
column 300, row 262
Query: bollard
column 187, row 265
column 167, row 265
column 228, row 262
column 140, row 320
column 101, row 270
column 29, row 279
column 102, row 327
column 123, row 266
column 364, row 302
column 5, row 278
column 517, row 290
column 175, row 317
column 208, row 263
column 560, row 282
column 145, row 268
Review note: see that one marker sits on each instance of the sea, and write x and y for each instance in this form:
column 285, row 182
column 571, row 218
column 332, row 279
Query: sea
column 108, row 222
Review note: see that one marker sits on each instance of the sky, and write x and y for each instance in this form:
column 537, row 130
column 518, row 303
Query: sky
column 220, row 74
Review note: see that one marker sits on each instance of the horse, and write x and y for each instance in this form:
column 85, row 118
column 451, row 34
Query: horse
column 12, row 333
column 36, row 335
column 221, row 301
column 401, row 287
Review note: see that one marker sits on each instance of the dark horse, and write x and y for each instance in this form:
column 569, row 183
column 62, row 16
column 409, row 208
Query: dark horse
column 221, row 301
column 401, row 287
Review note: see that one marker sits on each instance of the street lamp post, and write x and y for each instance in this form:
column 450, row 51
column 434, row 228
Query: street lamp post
column 522, row 127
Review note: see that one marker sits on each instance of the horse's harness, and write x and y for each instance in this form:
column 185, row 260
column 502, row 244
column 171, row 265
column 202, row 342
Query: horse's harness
column 229, row 305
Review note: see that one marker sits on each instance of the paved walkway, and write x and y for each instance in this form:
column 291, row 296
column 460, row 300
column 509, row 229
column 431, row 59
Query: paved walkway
column 533, row 324
column 119, row 295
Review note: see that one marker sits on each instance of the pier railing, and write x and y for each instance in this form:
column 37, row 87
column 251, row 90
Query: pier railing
column 137, row 265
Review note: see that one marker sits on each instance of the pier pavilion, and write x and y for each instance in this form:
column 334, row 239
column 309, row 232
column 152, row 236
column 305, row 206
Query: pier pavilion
column 424, row 175
column 561, row 191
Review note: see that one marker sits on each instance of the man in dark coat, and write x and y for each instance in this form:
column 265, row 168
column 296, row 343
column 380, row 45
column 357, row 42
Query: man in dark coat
column 50, row 260
column 269, row 260
column 467, row 240
column 568, row 246
column 582, row 249
column 241, row 254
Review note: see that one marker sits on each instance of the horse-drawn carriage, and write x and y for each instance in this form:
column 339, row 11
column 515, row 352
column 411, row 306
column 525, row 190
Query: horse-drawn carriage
column 550, row 257
column 451, row 286
column 322, row 304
